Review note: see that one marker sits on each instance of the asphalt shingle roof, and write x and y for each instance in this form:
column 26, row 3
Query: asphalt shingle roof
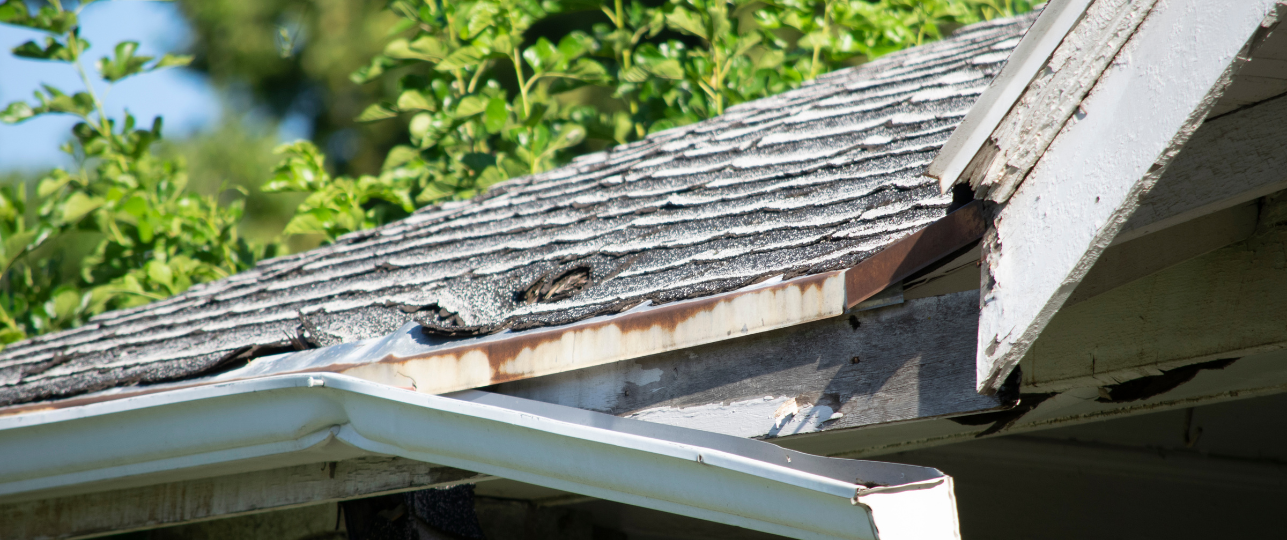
column 811, row 180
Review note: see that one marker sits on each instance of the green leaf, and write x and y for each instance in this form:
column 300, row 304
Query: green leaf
column 160, row 272
column 420, row 125
column 173, row 60
column 14, row 12
column 667, row 68
column 463, row 57
column 66, row 302
column 471, row 105
column 124, row 64
column 77, row 206
column 53, row 51
column 588, row 70
column 136, row 206
column 426, row 48
column 687, row 21
column 415, row 100
column 16, row 112
column 376, row 111
column 542, row 56
column 635, row 74
column 48, row 18
column 496, row 115
column 400, row 155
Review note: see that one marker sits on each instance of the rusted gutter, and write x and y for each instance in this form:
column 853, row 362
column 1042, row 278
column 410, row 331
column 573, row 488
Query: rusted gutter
column 410, row 359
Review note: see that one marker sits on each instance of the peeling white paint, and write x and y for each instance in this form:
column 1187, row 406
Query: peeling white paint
column 1091, row 178
column 758, row 417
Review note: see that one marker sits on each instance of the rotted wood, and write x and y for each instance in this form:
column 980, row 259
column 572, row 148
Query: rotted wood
column 133, row 509
column 1052, row 97
column 904, row 362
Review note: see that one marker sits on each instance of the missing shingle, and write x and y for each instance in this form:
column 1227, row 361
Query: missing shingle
column 554, row 287
column 439, row 321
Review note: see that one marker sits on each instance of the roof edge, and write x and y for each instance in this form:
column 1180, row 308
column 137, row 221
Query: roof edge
column 409, row 359
column 1057, row 19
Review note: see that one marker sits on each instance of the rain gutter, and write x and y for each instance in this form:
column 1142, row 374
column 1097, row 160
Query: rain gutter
column 241, row 425
column 1033, row 52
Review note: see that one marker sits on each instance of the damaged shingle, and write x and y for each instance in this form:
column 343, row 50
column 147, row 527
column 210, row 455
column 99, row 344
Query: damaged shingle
column 815, row 179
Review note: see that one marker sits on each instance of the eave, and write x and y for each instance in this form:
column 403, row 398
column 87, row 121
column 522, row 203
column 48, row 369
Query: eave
column 410, row 359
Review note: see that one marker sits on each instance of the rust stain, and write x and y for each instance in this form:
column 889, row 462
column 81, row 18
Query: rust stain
column 631, row 335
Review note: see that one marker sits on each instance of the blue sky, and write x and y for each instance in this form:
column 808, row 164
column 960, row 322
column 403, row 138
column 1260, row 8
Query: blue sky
column 183, row 97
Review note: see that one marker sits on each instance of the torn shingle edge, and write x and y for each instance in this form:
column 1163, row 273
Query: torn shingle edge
column 410, row 358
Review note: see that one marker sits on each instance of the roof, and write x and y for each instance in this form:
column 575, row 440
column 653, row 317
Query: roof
column 809, row 181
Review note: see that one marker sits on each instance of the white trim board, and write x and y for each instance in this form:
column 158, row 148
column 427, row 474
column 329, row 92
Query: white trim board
column 1089, row 181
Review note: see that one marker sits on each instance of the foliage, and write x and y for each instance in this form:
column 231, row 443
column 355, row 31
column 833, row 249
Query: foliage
column 291, row 59
column 118, row 230
column 487, row 97
column 484, row 89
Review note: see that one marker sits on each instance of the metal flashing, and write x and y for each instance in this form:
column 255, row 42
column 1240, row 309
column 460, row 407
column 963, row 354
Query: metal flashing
column 1029, row 56
column 233, row 427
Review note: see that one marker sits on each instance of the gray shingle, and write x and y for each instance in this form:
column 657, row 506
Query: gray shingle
column 811, row 180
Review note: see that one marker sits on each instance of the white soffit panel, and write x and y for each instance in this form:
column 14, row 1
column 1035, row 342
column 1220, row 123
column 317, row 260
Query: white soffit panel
column 730, row 480
column 1056, row 20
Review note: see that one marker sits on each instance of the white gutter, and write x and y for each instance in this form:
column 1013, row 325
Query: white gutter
column 1047, row 32
column 244, row 425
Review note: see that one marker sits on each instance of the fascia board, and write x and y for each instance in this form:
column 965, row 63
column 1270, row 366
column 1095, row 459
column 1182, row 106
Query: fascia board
column 725, row 479
column 1029, row 56
column 1140, row 112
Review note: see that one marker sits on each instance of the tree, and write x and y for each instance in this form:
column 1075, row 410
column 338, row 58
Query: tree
column 118, row 230
column 474, row 92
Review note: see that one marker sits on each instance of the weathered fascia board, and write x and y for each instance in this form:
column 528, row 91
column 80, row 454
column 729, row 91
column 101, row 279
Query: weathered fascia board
column 1090, row 179
column 1051, row 99
column 410, row 359
column 899, row 363
column 1225, row 304
column 148, row 507
column 1032, row 53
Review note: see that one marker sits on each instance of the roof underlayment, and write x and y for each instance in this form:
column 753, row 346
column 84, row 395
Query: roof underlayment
column 810, row 181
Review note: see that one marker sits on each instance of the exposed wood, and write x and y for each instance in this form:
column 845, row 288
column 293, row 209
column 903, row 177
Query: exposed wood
column 1123, row 263
column 1052, row 97
column 1025, row 63
column 898, row 363
column 1220, row 305
column 1256, row 375
column 1230, row 160
column 957, row 275
column 96, row 514
column 1090, row 179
